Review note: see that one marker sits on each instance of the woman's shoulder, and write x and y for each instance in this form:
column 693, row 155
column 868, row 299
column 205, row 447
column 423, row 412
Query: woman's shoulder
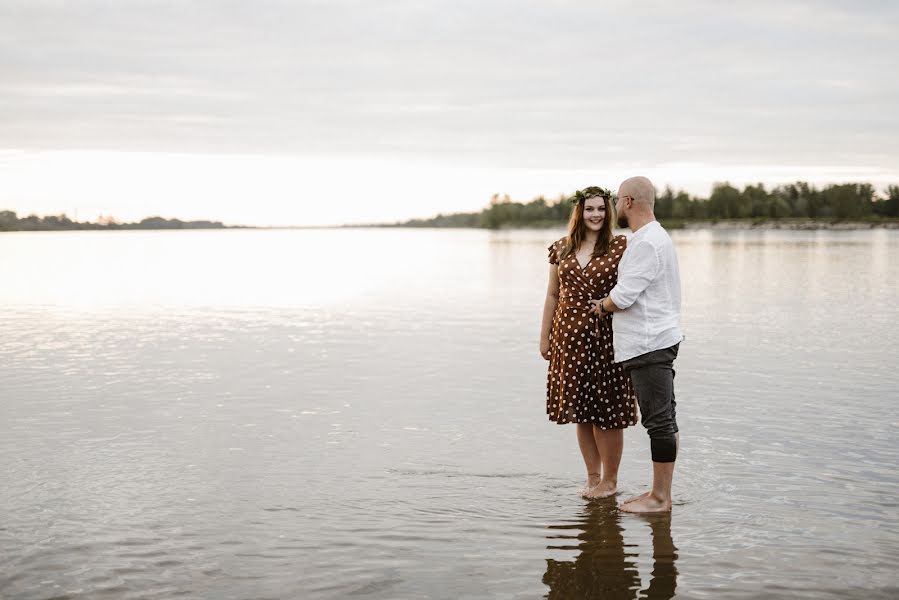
column 619, row 241
column 555, row 250
column 558, row 244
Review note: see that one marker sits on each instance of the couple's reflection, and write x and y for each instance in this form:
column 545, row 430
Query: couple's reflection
column 606, row 567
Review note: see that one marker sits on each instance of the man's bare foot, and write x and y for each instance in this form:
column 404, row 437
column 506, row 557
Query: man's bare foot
column 647, row 504
column 603, row 489
column 629, row 500
column 593, row 480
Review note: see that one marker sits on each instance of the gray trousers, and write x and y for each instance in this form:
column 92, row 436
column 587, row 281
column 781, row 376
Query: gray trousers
column 653, row 377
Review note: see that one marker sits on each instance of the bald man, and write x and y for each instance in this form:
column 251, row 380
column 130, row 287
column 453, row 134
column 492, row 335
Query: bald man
column 647, row 333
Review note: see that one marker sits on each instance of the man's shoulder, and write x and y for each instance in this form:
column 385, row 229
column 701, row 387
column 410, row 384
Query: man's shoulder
column 657, row 235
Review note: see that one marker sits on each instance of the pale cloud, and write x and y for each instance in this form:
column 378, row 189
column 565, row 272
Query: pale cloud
column 329, row 190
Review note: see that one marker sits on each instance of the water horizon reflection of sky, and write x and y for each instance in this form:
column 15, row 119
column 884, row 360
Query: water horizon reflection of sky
column 325, row 413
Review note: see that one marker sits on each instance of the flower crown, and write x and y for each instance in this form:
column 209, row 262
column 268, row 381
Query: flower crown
column 590, row 192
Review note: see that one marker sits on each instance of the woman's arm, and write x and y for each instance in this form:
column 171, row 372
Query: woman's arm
column 549, row 309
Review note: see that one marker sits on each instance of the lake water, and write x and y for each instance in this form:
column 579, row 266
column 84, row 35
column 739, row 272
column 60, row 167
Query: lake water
column 360, row 413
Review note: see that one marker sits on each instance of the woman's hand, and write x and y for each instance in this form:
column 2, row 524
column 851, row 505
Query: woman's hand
column 544, row 348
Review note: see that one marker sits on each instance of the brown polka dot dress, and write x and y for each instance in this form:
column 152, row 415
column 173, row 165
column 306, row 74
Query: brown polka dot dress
column 583, row 384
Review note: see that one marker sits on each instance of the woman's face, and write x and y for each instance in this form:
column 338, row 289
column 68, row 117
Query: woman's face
column 594, row 213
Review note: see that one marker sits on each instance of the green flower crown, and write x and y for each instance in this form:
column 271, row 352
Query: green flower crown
column 590, row 192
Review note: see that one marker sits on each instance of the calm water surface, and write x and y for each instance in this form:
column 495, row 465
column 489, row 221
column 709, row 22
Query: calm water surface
column 360, row 413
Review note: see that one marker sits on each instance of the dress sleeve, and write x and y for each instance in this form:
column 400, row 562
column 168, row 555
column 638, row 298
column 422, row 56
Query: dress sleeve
column 553, row 253
column 619, row 245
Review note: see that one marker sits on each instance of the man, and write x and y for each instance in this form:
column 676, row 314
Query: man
column 647, row 332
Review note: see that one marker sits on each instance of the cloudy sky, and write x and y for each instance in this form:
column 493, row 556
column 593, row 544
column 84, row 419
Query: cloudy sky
column 342, row 111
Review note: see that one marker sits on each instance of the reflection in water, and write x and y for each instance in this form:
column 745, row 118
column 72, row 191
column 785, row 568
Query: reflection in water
column 604, row 569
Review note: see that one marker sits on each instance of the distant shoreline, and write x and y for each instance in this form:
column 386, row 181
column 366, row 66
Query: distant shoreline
column 783, row 224
column 796, row 206
column 717, row 225
column 11, row 222
column 102, row 228
column 787, row 224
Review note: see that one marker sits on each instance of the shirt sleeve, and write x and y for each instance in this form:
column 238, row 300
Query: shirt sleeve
column 637, row 270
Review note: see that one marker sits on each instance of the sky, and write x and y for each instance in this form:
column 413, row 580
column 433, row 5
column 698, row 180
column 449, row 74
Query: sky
column 345, row 111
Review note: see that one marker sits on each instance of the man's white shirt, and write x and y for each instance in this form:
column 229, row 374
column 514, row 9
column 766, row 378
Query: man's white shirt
column 648, row 294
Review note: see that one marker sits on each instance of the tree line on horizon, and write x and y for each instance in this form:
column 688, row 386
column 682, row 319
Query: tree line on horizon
column 800, row 200
column 9, row 221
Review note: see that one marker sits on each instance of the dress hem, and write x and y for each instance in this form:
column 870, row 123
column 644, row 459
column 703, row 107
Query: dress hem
column 594, row 423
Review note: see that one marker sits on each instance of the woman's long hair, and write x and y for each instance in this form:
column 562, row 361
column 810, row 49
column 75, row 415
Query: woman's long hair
column 577, row 227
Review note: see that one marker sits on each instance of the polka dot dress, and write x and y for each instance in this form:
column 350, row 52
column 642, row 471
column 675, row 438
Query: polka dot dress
column 583, row 384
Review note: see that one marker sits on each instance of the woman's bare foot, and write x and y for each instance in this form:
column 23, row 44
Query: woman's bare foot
column 593, row 479
column 603, row 489
column 647, row 503
column 629, row 500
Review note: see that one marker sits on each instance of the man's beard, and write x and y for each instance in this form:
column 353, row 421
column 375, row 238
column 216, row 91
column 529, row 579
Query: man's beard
column 622, row 221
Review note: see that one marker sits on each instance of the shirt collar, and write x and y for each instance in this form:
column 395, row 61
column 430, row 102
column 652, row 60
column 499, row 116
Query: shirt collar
column 643, row 230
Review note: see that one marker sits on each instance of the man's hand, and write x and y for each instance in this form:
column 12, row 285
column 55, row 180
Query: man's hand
column 596, row 310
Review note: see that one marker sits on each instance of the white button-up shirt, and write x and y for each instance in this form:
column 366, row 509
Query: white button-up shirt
column 648, row 292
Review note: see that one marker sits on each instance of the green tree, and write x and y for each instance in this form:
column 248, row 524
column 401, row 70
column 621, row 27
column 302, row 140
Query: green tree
column 724, row 203
column 680, row 207
column 850, row 201
column 664, row 207
column 892, row 201
column 8, row 220
column 754, row 202
column 889, row 206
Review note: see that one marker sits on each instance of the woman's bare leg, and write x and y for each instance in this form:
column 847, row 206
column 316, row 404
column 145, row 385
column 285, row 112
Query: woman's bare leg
column 610, row 444
column 590, row 452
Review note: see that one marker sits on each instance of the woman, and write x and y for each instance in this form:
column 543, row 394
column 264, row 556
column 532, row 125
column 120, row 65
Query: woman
column 584, row 386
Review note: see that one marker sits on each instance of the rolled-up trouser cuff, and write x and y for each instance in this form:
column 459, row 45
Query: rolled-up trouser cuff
column 664, row 449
